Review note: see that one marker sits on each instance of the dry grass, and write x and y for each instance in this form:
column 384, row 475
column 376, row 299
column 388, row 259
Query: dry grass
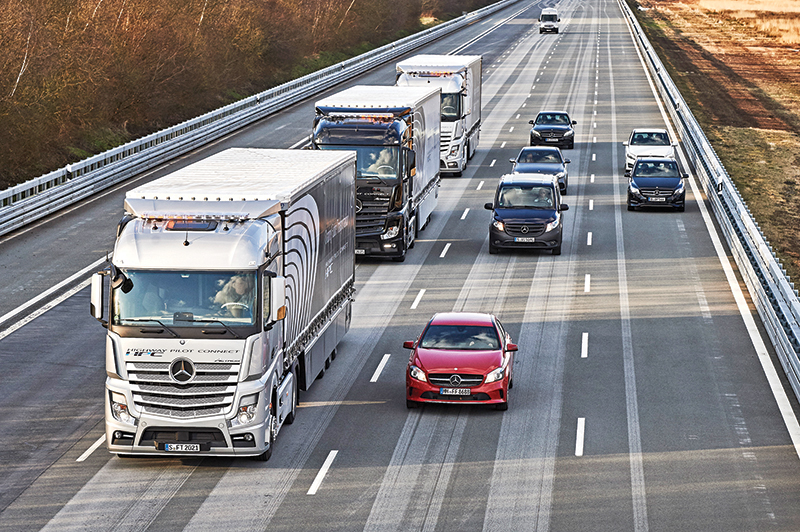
column 773, row 6
column 777, row 20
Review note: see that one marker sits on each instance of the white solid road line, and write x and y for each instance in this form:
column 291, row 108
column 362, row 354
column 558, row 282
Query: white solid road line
column 100, row 441
column 418, row 299
column 56, row 288
column 41, row 310
column 580, row 436
column 380, row 367
column 322, row 472
column 782, row 400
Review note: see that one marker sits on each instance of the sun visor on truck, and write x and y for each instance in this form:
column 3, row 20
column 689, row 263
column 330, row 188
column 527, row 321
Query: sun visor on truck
column 203, row 207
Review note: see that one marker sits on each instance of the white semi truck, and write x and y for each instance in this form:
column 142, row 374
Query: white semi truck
column 395, row 132
column 231, row 285
column 459, row 77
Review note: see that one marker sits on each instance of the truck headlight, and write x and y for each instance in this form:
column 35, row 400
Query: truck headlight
column 496, row 375
column 454, row 150
column 248, row 406
column 119, row 409
column 392, row 232
column 417, row 373
column 499, row 225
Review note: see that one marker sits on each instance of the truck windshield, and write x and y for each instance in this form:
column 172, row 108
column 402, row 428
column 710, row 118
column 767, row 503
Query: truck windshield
column 373, row 161
column 187, row 299
column 451, row 107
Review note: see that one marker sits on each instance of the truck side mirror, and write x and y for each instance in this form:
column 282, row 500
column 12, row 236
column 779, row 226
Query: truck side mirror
column 411, row 162
column 97, row 302
column 277, row 298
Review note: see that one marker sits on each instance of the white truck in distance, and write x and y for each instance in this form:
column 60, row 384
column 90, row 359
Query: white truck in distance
column 231, row 286
column 395, row 133
column 459, row 77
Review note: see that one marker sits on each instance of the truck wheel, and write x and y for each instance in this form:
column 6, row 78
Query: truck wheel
column 291, row 415
column 263, row 457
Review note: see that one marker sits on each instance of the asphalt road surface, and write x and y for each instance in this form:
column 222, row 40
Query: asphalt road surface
column 643, row 399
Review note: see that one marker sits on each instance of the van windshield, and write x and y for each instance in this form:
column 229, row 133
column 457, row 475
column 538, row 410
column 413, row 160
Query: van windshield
column 549, row 18
column 525, row 197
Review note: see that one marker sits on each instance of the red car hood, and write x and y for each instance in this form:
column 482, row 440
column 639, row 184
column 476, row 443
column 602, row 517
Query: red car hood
column 446, row 360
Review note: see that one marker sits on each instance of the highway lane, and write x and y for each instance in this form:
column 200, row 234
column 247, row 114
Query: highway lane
column 680, row 428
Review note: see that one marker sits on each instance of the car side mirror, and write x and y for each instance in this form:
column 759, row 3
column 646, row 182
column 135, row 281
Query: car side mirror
column 574, row 122
column 512, row 347
column 563, row 207
column 512, row 161
column 408, row 344
column 530, row 121
column 627, row 173
column 625, row 143
column 685, row 176
column 488, row 206
column 567, row 161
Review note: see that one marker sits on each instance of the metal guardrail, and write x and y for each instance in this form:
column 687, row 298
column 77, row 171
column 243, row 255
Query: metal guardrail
column 34, row 199
column 770, row 288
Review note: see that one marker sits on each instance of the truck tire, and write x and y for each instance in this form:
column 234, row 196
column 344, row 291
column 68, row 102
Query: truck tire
column 266, row 455
column 291, row 415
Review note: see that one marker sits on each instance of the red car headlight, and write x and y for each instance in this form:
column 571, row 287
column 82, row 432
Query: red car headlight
column 417, row 373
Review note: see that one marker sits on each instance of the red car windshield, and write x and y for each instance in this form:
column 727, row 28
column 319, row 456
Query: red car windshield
column 466, row 337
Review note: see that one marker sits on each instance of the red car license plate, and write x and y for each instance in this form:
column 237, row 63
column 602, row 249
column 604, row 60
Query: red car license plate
column 454, row 391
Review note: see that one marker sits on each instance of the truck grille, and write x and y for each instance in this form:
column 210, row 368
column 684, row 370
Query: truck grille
column 210, row 392
column 445, row 139
column 517, row 229
column 467, row 380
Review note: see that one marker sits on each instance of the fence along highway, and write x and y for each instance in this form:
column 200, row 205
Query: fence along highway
column 639, row 399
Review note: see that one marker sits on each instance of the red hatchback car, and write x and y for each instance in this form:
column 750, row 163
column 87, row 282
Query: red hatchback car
column 460, row 357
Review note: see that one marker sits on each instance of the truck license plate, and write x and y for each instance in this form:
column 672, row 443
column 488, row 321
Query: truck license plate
column 361, row 251
column 524, row 239
column 182, row 447
column 454, row 391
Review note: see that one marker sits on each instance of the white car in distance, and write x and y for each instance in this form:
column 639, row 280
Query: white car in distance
column 648, row 143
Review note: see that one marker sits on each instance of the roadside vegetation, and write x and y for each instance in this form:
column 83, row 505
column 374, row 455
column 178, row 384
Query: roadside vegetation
column 78, row 77
column 737, row 66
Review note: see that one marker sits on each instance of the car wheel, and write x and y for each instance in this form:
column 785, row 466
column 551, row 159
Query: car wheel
column 501, row 406
column 401, row 258
column 682, row 208
column 411, row 404
column 571, row 145
column 493, row 250
column 557, row 250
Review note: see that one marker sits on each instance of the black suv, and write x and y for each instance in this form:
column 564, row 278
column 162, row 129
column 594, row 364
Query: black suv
column 656, row 182
column 553, row 128
column 526, row 213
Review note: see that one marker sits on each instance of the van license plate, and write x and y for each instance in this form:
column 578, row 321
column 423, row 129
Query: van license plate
column 455, row 391
column 524, row 239
column 361, row 251
column 182, row 447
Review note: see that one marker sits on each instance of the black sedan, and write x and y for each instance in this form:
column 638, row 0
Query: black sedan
column 553, row 128
column 542, row 160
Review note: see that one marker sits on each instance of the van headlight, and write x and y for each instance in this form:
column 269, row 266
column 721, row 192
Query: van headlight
column 552, row 225
column 499, row 225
